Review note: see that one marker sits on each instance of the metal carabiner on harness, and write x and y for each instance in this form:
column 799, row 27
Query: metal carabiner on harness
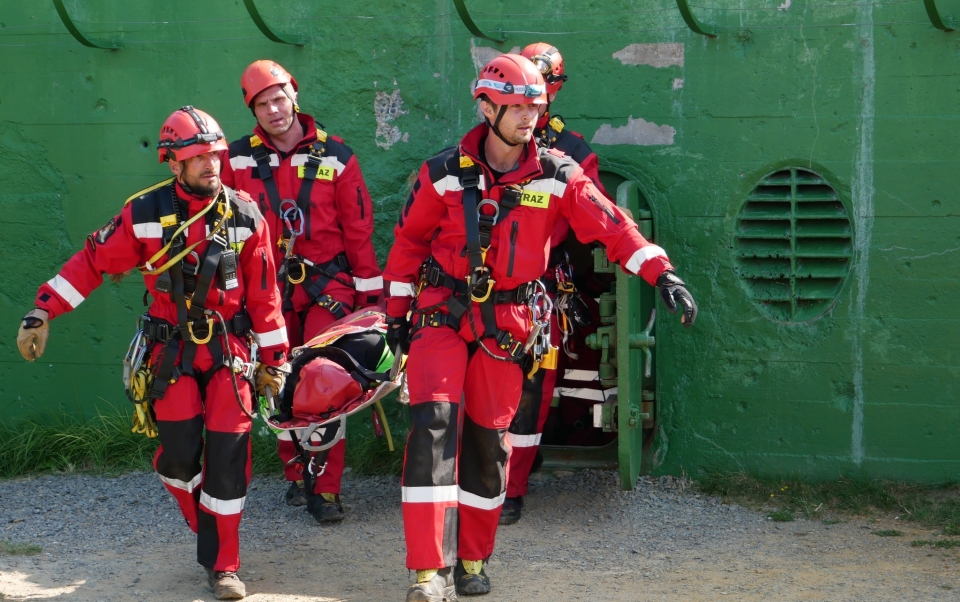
column 496, row 210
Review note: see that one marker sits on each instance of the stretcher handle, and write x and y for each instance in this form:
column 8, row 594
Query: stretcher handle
column 310, row 430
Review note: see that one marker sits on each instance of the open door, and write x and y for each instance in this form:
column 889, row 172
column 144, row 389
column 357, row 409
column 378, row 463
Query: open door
column 624, row 341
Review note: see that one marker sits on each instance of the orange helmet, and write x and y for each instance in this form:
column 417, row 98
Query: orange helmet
column 260, row 75
column 189, row 132
column 324, row 387
column 548, row 60
column 511, row 79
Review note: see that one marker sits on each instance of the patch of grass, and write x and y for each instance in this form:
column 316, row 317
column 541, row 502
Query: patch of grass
column 832, row 521
column 781, row 516
column 888, row 533
column 49, row 443
column 18, row 549
column 935, row 506
column 936, row 543
column 104, row 444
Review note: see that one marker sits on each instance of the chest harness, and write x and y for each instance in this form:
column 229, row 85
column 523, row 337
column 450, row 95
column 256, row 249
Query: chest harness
column 478, row 286
column 295, row 219
column 188, row 278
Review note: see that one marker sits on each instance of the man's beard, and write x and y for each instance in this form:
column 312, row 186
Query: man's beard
column 201, row 188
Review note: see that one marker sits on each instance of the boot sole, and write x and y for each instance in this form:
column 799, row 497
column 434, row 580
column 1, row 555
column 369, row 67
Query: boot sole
column 449, row 595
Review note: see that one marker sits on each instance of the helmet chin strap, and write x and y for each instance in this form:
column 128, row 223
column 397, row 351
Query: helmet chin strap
column 496, row 129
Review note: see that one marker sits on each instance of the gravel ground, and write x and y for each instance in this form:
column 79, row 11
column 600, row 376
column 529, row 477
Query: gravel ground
column 580, row 538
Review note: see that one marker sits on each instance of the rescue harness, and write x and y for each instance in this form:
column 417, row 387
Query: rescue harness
column 188, row 283
column 478, row 287
column 295, row 217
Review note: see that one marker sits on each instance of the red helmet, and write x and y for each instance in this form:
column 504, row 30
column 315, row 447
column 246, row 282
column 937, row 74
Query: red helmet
column 511, row 79
column 189, row 132
column 260, row 75
column 324, row 387
column 550, row 63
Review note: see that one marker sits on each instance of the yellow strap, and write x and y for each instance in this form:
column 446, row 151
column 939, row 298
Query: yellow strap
column 146, row 190
column 556, row 124
column 146, row 271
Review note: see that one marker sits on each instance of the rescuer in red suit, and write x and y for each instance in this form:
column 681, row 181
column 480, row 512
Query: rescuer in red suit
column 205, row 303
column 470, row 242
column 526, row 429
column 308, row 182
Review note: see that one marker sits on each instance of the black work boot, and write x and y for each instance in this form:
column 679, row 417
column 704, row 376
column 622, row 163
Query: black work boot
column 296, row 496
column 510, row 513
column 325, row 507
column 434, row 585
column 470, row 578
column 226, row 585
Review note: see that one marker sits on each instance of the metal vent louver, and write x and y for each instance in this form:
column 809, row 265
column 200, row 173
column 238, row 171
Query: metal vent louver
column 793, row 245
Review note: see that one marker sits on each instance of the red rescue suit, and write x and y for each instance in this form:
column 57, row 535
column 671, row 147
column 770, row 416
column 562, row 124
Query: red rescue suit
column 526, row 430
column 338, row 225
column 210, row 495
column 442, row 486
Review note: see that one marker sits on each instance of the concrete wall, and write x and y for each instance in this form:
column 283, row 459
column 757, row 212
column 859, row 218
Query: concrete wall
column 864, row 94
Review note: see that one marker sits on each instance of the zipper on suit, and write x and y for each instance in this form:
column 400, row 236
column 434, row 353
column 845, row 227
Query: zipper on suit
column 360, row 202
column 604, row 208
column 514, row 230
column 263, row 270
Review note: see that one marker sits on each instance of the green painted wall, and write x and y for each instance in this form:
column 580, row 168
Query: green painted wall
column 865, row 94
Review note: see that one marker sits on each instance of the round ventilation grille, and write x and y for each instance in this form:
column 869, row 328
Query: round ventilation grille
column 793, row 245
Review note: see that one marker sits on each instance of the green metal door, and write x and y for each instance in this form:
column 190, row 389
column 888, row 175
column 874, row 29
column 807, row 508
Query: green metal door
column 626, row 341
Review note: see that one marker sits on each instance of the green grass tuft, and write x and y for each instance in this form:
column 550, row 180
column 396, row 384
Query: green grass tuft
column 935, row 506
column 888, row 533
column 936, row 543
column 781, row 516
column 18, row 549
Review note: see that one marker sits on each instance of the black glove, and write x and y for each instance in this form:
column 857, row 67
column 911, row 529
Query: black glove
column 398, row 335
column 673, row 292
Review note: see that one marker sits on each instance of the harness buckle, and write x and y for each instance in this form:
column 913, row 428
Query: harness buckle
column 487, row 218
column 194, row 338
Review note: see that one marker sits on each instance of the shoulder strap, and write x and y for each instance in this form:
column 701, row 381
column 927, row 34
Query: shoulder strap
column 262, row 157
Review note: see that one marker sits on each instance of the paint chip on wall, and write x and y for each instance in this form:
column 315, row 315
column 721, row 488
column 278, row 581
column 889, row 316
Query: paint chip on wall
column 386, row 108
column 637, row 131
column 655, row 55
column 678, row 83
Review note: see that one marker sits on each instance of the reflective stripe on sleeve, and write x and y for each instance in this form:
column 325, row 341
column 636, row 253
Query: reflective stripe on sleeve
column 524, row 440
column 637, row 260
column 222, row 507
column 269, row 339
column 585, row 375
column 426, row 495
column 402, row 289
column 589, row 394
column 66, row 290
column 368, row 284
column 245, row 161
column 178, row 484
column 148, row 230
column 475, row 501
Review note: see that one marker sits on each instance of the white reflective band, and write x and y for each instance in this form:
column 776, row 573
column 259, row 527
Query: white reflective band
column 285, row 436
column 222, row 507
column 66, row 290
column 244, row 162
column 640, row 257
column 452, row 184
column 177, row 483
column 534, row 90
column 148, row 230
column 587, row 375
column 269, row 339
column 314, row 438
column 590, row 394
column 301, row 159
column 475, row 501
column 548, row 185
column 425, row 495
column 402, row 289
column 368, row 284
column 239, row 234
column 524, row 440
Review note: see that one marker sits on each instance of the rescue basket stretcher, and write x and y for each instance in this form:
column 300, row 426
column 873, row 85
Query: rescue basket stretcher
column 293, row 411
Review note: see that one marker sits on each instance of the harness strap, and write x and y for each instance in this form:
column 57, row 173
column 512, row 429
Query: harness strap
column 316, row 153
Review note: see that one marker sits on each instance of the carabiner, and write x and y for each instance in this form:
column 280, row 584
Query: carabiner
column 486, row 295
column 303, row 275
column 496, row 209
